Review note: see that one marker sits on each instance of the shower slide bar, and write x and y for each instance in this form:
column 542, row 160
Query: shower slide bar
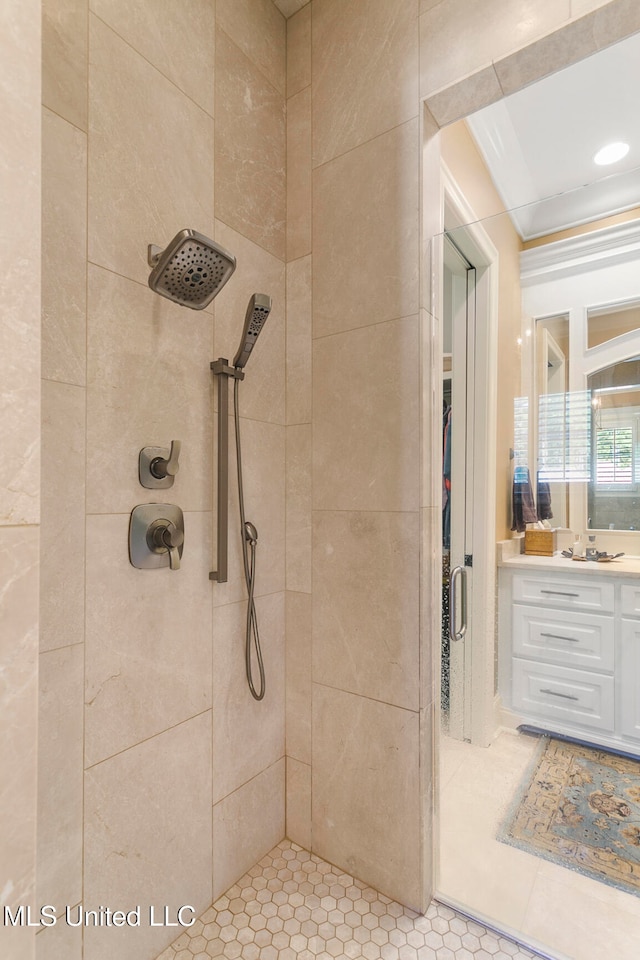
column 223, row 371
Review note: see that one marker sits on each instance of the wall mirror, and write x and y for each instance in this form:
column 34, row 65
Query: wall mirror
column 614, row 485
column 578, row 222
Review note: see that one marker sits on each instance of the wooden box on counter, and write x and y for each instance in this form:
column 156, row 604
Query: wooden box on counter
column 540, row 543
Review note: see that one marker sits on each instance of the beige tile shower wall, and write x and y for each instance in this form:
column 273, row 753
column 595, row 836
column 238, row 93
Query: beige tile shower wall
column 354, row 262
column 353, row 695
column 20, row 78
column 154, row 122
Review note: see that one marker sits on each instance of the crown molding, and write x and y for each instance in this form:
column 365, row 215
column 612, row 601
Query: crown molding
column 575, row 255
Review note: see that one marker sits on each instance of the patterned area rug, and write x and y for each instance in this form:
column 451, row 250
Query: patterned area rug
column 580, row 807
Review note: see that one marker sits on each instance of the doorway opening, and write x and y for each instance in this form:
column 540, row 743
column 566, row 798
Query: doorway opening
column 479, row 874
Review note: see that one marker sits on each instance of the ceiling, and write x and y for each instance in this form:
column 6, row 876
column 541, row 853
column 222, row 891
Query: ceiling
column 539, row 144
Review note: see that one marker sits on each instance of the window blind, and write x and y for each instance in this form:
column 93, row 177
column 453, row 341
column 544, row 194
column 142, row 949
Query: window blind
column 564, row 436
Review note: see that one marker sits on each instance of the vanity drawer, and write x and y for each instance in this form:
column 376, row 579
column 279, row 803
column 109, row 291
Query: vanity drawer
column 566, row 637
column 630, row 599
column 563, row 695
column 597, row 595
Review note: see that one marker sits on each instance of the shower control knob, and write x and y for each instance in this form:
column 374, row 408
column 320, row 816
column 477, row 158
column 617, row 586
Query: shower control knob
column 161, row 467
column 163, row 535
column 156, row 536
column 158, row 466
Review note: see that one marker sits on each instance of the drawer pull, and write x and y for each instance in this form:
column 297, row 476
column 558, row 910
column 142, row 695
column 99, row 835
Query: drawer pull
column 557, row 636
column 560, row 593
column 565, row 696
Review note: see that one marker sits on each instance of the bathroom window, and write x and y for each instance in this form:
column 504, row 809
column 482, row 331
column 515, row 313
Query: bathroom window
column 564, row 436
column 615, row 456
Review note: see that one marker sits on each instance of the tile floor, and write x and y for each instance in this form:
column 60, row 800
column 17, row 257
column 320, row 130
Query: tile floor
column 573, row 915
column 294, row 906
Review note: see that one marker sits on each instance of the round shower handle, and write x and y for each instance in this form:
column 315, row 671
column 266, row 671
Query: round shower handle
column 161, row 467
column 165, row 535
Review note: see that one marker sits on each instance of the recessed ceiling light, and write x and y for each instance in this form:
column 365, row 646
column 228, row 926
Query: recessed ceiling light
column 611, row 153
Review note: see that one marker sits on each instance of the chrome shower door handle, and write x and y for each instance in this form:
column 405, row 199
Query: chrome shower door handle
column 458, row 573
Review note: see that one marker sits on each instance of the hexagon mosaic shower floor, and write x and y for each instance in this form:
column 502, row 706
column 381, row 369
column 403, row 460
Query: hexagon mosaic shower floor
column 294, row 906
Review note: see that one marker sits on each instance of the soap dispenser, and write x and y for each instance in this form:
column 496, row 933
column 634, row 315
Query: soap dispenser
column 578, row 547
column 592, row 550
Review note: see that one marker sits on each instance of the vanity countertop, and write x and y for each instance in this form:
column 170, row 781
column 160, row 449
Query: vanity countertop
column 623, row 566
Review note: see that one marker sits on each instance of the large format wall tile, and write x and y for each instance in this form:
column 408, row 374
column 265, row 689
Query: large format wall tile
column 149, row 382
column 262, row 392
column 60, row 781
column 18, row 706
column 576, row 41
column 366, row 604
column 64, row 59
column 246, row 825
column 365, row 234
column 298, row 621
column 248, row 734
column 20, row 262
column 581, row 7
column 365, row 431
column 299, row 341
column 299, row 51
column 181, row 47
column 366, row 796
column 299, row 803
column 64, row 250
column 63, row 515
column 259, row 30
column 19, row 404
column 430, row 600
column 615, row 21
column 299, row 198
column 250, row 149
column 298, row 507
column 148, row 646
column 458, row 37
column 20, row 146
column 365, row 70
column 599, row 27
column 150, row 158
column 467, row 96
column 148, row 837
column 60, row 942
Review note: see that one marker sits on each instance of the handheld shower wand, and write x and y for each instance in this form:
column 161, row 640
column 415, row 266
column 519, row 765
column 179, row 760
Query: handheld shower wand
column 255, row 319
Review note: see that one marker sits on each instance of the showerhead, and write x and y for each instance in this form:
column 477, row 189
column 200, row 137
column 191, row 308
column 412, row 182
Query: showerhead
column 257, row 313
column 191, row 270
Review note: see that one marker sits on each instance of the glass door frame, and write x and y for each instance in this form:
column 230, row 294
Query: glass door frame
column 477, row 248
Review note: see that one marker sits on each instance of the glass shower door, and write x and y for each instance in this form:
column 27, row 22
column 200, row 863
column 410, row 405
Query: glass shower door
column 457, row 479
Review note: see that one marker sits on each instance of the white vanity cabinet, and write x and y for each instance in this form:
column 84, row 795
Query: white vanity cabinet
column 570, row 650
column 630, row 660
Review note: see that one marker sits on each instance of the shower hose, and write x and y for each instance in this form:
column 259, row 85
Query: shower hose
column 249, row 538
